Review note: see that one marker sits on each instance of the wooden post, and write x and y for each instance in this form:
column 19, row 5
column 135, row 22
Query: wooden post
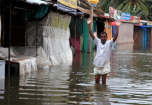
column 10, row 7
column 89, row 38
column 36, row 36
column 75, row 33
column 151, row 38
column 2, row 28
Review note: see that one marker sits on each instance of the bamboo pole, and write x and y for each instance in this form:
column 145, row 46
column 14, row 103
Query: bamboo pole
column 10, row 20
column 75, row 33
column 36, row 36
column 89, row 38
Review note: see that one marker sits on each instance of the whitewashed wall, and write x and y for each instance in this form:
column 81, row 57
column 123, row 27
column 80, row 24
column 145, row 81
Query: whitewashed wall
column 125, row 33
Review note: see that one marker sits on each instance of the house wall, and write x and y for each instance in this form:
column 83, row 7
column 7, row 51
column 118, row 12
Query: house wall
column 137, row 34
column 125, row 33
column 142, row 38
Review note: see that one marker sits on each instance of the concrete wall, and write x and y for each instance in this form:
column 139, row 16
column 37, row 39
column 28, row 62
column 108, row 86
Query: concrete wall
column 125, row 33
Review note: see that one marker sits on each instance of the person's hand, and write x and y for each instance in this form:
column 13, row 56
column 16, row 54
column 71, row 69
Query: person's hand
column 118, row 23
column 89, row 21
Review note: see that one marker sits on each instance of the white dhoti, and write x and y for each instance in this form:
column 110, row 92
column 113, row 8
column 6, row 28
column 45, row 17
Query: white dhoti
column 102, row 70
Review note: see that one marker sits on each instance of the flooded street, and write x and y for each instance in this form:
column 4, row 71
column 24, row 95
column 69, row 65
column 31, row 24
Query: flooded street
column 129, row 83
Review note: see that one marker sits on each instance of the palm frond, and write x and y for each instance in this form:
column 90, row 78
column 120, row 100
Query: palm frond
column 144, row 8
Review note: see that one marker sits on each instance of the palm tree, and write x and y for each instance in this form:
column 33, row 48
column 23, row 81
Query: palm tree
column 149, row 2
column 134, row 7
column 104, row 5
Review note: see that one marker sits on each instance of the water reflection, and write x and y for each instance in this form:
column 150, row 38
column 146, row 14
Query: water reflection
column 101, row 95
column 129, row 82
column 142, row 45
column 132, row 75
column 47, row 86
column 2, row 81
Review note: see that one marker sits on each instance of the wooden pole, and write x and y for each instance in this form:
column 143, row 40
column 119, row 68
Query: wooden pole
column 10, row 6
column 36, row 37
column 75, row 32
column 2, row 33
column 90, row 39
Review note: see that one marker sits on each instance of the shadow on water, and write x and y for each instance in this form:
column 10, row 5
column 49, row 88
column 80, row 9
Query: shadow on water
column 129, row 82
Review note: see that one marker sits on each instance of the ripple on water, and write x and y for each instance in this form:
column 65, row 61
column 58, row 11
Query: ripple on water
column 85, row 84
column 129, row 83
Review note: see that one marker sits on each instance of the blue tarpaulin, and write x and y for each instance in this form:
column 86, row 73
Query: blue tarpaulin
column 147, row 26
column 142, row 27
column 67, row 9
column 113, row 30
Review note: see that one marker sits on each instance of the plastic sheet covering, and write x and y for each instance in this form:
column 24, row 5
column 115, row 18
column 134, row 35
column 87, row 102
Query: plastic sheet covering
column 85, row 36
column 0, row 30
column 41, row 60
column 26, row 63
column 36, row 2
column 39, row 13
column 4, row 53
column 53, row 36
column 2, row 69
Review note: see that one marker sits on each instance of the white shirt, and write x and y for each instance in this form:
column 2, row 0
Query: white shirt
column 103, row 52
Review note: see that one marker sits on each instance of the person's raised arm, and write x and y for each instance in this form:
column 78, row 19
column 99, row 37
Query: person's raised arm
column 89, row 27
column 117, row 30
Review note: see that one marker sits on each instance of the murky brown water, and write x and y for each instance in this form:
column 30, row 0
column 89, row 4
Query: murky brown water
column 129, row 83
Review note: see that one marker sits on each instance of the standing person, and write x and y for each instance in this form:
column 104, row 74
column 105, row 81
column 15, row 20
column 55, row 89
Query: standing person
column 102, row 58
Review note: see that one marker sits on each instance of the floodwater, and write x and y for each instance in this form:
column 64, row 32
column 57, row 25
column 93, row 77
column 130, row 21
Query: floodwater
column 129, row 83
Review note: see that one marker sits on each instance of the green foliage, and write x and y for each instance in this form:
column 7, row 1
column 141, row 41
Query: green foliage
column 141, row 8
